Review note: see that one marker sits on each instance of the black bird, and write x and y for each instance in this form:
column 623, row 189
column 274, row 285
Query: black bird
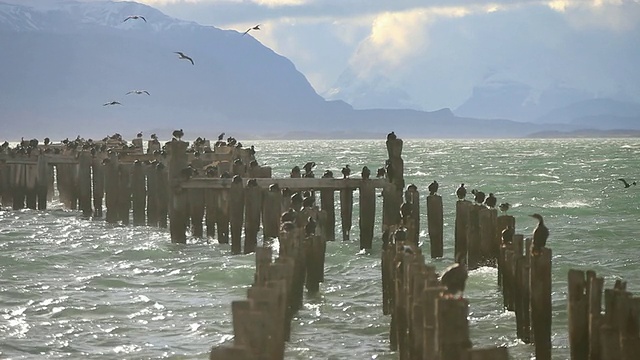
column 288, row 216
column 257, row 27
column 626, row 184
column 178, row 134
column 134, row 17
column 346, row 171
column 309, row 166
column 381, row 173
column 391, row 136
column 139, row 135
column 295, row 172
column 504, row 207
column 47, row 141
column 507, row 235
column 454, row 278
column 540, row 235
column 138, row 92
column 479, row 196
column 183, row 56
column 328, row 174
column 310, row 228
column 433, row 188
column 154, row 136
column 111, row 103
column 491, row 201
column 366, row 173
column 220, row 137
column 461, row 193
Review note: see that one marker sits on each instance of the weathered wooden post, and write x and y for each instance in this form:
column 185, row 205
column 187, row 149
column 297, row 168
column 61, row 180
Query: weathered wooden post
column 286, row 198
column 473, row 236
column 577, row 311
column 236, row 213
column 314, row 248
column 210, row 206
column 18, row 185
column 151, row 175
column 327, row 205
column 31, row 179
column 222, row 214
column 196, row 211
column 436, row 223
column 42, row 182
column 410, row 213
column 6, row 185
column 596, row 285
column 178, row 209
column 97, row 184
column 392, row 193
column 541, row 302
column 111, row 187
column 346, row 211
column 124, row 201
column 452, row 328
column 271, row 211
column 84, row 183
column 139, row 193
column 162, row 178
column 367, row 211
column 489, row 247
column 252, row 208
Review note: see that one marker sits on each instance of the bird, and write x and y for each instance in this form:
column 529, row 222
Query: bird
column 540, row 235
column 154, row 136
column 138, row 92
column 455, row 277
column 178, row 134
column 309, row 166
column 433, row 188
column 257, row 27
column 346, row 171
column 134, row 17
column 328, row 174
column 220, row 137
column 310, row 228
column 381, row 173
column 47, row 141
column 391, row 136
column 111, row 103
column 491, row 201
column 507, row 235
column 461, row 192
column 479, row 196
column 183, row 56
column 139, row 135
column 366, row 173
column 626, row 184
column 504, row 207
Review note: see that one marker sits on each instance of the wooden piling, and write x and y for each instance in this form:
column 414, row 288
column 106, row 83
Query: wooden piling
column 31, row 178
column 6, row 191
column 151, row 176
column 178, row 204
column 367, row 213
column 196, row 201
column 436, row 223
column 236, row 213
column 489, row 247
column 596, row 285
column 42, row 182
column 84, row 183
column 163, row 194
column 222, row 216
column 452, row 328
column 577, row 311
column 271, row 211
column 540, row 280
column 252, row 208
column 97, row 185
column 210, row 205
column 327, row 205
column 138, row 193
column 473, row 237
column 124, row 192
column 111, row 187
column 18, row 185
column 315, row 249
column 346, row 212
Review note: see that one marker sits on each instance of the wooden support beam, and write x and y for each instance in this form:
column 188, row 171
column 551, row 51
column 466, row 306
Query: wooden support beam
column 294, row 184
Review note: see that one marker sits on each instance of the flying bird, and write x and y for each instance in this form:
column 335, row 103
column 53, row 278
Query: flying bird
column 183, row 56
column 135, row 17
column 111, row 103
column 257, row 27
column 138, row 92
column 626, row 184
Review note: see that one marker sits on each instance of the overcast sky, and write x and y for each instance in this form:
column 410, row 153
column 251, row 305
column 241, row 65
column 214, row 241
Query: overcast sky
column 437, row 50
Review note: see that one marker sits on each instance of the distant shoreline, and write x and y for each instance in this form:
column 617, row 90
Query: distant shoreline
column 587, row 133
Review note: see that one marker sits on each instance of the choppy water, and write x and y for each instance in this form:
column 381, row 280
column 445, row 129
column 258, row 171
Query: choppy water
column 75, row 288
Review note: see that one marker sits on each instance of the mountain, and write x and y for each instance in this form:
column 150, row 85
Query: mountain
column 68, row 58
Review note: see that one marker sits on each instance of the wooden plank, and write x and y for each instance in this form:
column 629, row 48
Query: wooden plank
column 291, row 183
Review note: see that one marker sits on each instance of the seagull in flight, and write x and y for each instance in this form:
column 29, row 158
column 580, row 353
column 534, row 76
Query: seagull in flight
column 111, row 103
column 138, row 92
column 183, row 56
column 626, row 184
column 135, row 17
column 257, row 27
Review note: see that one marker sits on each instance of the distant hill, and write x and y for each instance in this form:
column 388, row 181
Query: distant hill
column 586, row 133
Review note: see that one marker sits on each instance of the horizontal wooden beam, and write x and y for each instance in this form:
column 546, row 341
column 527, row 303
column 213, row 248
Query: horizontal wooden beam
column 33, row 159
column 291, row 183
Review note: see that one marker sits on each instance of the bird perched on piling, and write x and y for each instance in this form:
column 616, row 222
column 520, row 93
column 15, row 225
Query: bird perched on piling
column 257, row 27
column 540, row 235
column 288, row 216
column 491, row 201
column 309, row 166
column 295, row 172
column 183, row 56
column 461, row 193
column 328, row 174
column 366, row 173
column 504, row 207
column 626, row 184
column 139, row 135
column 134, row 17
column 454, row 277
column 310, row 228
column 178, row 134
column 391, row 136
column 507, row 235
column 433, row 187
column 346, row 171
column 381, row 173
column 478, row 196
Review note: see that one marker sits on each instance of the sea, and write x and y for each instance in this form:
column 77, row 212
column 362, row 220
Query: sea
column 77, row 288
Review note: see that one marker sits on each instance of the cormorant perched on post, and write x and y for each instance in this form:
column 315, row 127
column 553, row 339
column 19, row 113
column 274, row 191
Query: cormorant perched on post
column 308, row 167
column 491, row 201
column 381, row 173
column 139, row 135
column 626, row 184
column 504, row 207
column 454, row 278
column 507, row 235
column 391, row 136
column 479, row 196
column 310, row 228
column 346, row 171
column 540, row 235
column 47, row 141
column 178, row 134
column 366, row 173
column 433, row 188
column 295, row 172
column 328, row 174
column 461, row 193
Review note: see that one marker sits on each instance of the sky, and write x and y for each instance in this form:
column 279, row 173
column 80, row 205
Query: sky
column 437, row 51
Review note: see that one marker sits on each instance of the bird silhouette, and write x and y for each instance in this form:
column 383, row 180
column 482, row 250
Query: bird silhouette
column 454, row 277
column 540, row 235
column 346, row 171
column 461, row 193
column 178, row 134
column 257, row 27
column 309, row 166
column 433, row 187
column 139, row 135
column 183, row 56
column 491, row 201
column 507, row 235
column 111, row 103
column 626, row 184
column 366, row 173
column 138, row 92
column 134, row 17
column 504, row 207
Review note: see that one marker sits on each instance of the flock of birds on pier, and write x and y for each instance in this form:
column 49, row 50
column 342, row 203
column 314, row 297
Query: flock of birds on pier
column 181, row 56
